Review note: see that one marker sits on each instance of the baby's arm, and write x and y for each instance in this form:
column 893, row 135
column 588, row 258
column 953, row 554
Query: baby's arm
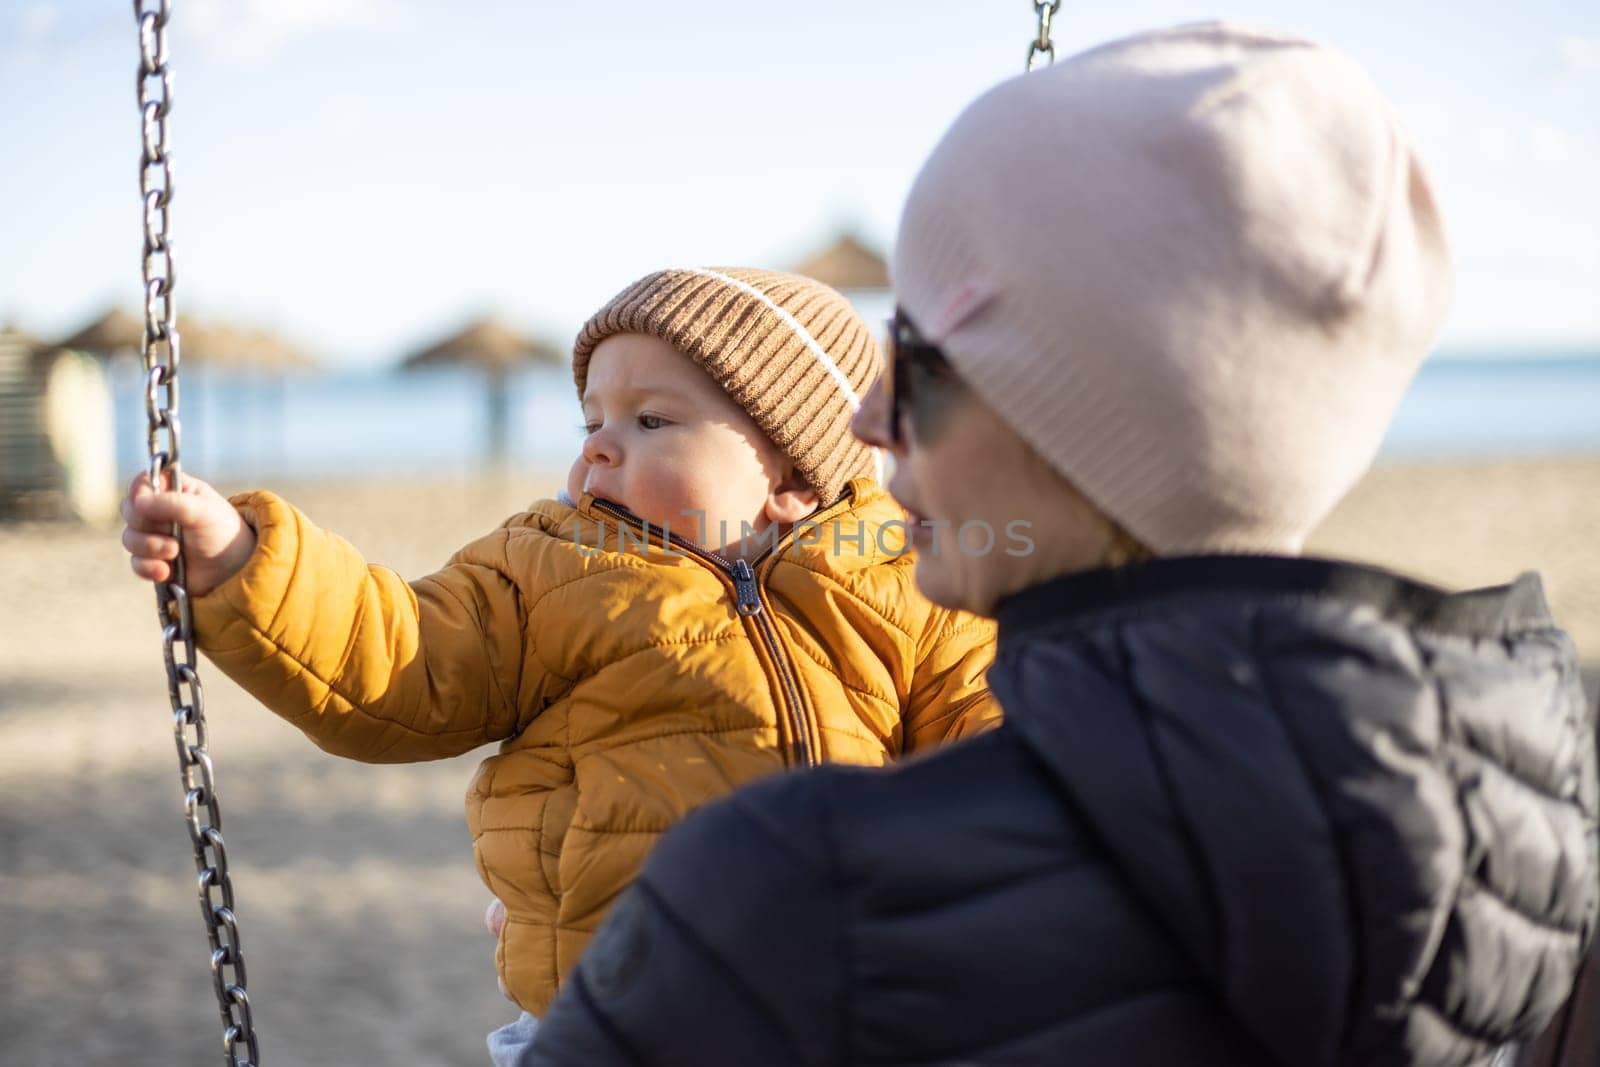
column 949, row 698
column 365, row 664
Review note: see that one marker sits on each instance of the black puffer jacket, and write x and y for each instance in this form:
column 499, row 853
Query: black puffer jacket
column 1243, row 811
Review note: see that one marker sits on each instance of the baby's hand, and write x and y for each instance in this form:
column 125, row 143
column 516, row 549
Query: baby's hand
column 217, row 542
column 494, row 918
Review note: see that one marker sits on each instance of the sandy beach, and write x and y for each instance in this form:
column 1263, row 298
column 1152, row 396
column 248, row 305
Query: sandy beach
column 357, row 900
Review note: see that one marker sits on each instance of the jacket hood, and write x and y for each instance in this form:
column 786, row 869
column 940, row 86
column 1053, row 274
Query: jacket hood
column 1364, row 807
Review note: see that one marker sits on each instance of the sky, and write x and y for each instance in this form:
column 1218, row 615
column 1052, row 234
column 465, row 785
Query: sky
column 362, row 175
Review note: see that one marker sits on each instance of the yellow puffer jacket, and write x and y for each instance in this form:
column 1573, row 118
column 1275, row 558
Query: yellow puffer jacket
column 627, row 686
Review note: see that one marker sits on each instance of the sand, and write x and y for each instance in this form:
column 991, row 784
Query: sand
column 358, row 904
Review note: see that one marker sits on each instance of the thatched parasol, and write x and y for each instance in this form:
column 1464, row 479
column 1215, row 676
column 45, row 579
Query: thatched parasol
column 207, row 342
column 113, row 331
column 847, row 263
column 220, row 344
column 487, row 344
column 495, row 349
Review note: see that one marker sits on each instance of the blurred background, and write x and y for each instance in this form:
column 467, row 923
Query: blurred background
column 390, row 219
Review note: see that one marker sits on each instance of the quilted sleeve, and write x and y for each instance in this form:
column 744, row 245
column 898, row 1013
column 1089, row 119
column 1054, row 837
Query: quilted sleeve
column 369, row 666
column 949, row 696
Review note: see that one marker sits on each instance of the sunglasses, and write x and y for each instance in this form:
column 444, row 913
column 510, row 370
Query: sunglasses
column 909, row 354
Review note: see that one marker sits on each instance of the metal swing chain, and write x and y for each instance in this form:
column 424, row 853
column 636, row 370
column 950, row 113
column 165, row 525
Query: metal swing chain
column 1042, row 45
column 162, row 351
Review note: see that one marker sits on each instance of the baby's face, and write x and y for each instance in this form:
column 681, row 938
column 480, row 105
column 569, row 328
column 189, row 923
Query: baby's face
column 668, row 444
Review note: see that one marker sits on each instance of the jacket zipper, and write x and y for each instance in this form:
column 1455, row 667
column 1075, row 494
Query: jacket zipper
column 747, row 602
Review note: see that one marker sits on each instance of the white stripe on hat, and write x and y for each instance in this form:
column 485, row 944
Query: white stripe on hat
column 811, row 342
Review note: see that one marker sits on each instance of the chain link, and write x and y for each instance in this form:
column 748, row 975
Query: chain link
column 1042, row 45
column 162, row 352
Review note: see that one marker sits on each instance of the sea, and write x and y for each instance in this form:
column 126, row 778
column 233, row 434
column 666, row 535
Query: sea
column 298, row 426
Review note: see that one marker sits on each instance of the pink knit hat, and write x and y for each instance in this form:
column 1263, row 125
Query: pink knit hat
column 1194, row 269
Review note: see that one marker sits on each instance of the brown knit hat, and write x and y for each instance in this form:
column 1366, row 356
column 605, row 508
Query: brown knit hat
column 789, row 350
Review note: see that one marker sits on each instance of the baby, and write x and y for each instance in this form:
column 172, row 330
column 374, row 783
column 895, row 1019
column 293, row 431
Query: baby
column 723, row 591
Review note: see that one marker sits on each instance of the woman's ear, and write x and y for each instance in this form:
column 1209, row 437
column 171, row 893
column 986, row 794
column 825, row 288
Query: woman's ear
column 792, row 499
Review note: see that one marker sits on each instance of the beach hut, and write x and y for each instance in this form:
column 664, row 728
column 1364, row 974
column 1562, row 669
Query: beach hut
column 14, row 335
column 56, row 443
column 25, row 466
column 495, row 350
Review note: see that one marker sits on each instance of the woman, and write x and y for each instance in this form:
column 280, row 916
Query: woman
column 1158, row 306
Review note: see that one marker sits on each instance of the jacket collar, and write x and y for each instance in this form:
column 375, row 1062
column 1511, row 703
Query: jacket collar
column 852, row 520
column 1074, row 598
